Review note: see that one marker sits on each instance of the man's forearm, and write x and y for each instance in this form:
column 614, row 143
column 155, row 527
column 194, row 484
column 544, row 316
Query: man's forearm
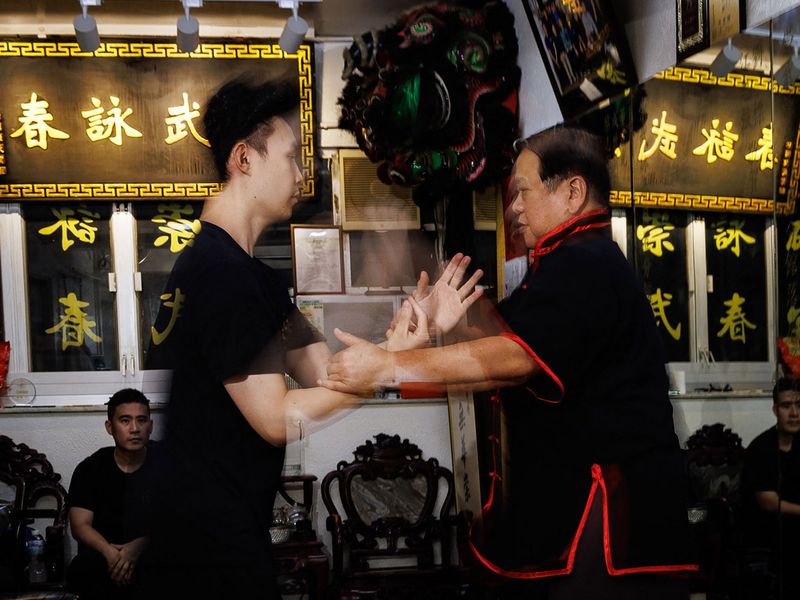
column 90, row 537
column 770, row 501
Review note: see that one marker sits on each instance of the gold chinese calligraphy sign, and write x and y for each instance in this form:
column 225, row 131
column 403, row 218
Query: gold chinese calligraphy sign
column 675, row 156
column 130, row 113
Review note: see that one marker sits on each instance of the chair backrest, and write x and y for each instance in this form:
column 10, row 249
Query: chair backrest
column 715, row 461
column 389, row 494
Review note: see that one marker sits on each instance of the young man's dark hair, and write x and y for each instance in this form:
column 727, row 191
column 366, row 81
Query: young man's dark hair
column 124, row 397
column 565, row 152
column 784, row 384
column 243, row 109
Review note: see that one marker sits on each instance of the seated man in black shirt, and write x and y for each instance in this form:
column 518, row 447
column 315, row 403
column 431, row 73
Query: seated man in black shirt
column 772, row 484
column 107, row 501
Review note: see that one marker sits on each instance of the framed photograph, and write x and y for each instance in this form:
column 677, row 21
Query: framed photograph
column 692, row 30
column 317, row 259
column 584, row 49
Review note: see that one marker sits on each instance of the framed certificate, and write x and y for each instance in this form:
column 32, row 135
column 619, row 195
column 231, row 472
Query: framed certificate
column 317, row 259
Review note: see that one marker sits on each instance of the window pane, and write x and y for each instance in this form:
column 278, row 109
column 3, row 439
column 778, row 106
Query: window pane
column 73, row 325
column 164, row 229
column 789, row 292
column 659, row 251
column 737, row 303
column 390, row 258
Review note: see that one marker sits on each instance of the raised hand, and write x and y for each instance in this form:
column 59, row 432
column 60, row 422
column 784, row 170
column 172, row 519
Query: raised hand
column 409, row 328
column 449, row 299
column 361, row 368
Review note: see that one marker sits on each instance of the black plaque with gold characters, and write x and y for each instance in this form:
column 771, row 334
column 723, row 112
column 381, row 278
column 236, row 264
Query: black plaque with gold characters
column 126, row 121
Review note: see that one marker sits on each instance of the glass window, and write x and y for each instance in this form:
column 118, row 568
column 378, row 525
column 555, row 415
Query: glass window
column 72, row 318
column 788, row 317
column 164, row 229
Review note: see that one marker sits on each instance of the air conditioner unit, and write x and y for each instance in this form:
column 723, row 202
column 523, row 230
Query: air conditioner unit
column 369, row 204
column 484, row 209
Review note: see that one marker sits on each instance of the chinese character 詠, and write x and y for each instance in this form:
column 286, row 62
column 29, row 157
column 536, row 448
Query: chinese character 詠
column 666, row 139
column 78, row 225
column 75, row 323
column 793, row 243
column 178, row 230
column 112, row 126
column 717, row 146
column 730, row 237
column 734, row 322
column 182, row 118
column 35, row 124
column 793, row 317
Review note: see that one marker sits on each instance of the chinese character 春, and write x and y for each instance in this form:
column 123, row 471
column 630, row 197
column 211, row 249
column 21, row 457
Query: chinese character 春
column 730, row 237
column 793, row 243
column 176, row 305
column 764, row 151
column 72, row 223
column 655, row 238
column 75, row 323
column 734, row 322
column 178, row 230
column 659, row 303
column 717, row 146
column 180, row 118
column 112, row 126
column 666, row 139
column 34, row 120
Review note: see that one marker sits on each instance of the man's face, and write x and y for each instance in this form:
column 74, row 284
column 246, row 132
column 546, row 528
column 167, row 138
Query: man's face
column 276, row 174
column 537, row 210
column 130, row 426
column 787, row 410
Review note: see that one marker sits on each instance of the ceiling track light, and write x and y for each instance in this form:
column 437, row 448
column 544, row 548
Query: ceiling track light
column 790, row 71
column 726, row 60
column 86, row 27
column 189, row 27
column 294, row 32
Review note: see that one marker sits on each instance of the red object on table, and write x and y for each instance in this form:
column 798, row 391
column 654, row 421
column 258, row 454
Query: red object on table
column 5, row 352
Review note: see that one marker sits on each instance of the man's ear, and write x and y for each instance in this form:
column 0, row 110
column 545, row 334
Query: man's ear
column 239, row 159
column 577, row 194
column 108, row 427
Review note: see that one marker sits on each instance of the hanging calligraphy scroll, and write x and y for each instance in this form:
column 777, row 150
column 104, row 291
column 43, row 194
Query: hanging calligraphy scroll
column 709, row 144
column 126, row 121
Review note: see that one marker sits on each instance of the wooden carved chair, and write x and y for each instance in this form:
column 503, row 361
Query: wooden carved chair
column 385, row 536
column 715, row 462
column 38, row 494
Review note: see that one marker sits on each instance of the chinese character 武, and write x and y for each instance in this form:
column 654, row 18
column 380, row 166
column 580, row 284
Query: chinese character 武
column 666, row 139
column 175, row 305
column 72, row 223
column 730, row 237
column 112, row 126
column 764, row 151
column 717, row 146
column 75, row 323
column 182, row 118
column 734, row 322
column 178, row 230
column 35, row 124
column 655, row 238
column 659, row 303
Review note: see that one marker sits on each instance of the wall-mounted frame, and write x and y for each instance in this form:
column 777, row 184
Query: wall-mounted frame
column 692, row 27
column 317, row 259
column 584, row 50
column 125, row 122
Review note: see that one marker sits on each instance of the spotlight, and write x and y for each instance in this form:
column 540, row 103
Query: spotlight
column 86, row 27
column 790, row 71
column 726, row 60
column 189, row 27
column 294, row 32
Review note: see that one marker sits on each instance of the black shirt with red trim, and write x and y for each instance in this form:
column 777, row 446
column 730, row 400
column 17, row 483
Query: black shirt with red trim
column 601, row 399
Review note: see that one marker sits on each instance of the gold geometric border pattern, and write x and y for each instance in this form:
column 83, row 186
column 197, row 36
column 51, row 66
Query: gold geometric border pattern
column 700, row 202
column 2, row 149
column 733, row 80
column 87, row 191
column 164, row 50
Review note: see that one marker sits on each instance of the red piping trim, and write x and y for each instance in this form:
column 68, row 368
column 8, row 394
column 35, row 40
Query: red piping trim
column 515, row 338
column 567, row 224
column 597, row 481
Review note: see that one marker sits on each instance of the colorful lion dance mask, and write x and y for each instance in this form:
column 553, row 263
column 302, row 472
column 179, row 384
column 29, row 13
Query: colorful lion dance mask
column 433, row 97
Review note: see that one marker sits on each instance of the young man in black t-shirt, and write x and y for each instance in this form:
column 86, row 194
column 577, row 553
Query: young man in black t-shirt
column 772, row 487
column 108, row 502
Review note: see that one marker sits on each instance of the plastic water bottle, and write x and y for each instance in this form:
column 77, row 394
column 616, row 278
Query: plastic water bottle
column 37, row 573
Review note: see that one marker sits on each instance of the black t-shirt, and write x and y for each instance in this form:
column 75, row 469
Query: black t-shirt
column 602, row 398
column 119, row 500
column 767, row 468
column 219, row 477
